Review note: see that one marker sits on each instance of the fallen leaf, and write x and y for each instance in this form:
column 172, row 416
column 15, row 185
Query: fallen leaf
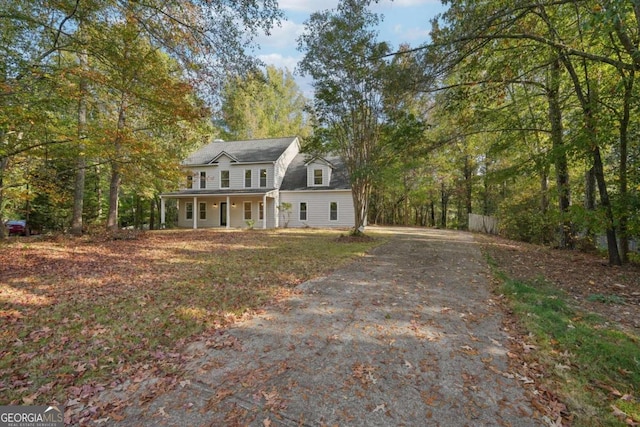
column 379, row 408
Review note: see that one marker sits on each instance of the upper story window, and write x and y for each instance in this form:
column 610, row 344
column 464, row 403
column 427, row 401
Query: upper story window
column 263, row 178
column 224, row 179
column 203, row 179
column 190, row 181
column 317, row 177
column 247, row 178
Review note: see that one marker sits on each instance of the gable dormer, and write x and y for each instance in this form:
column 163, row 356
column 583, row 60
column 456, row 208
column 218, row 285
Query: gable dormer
column 318, row 172
column 224, row 156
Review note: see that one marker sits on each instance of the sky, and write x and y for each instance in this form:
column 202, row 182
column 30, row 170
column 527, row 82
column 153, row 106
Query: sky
column 404, row 21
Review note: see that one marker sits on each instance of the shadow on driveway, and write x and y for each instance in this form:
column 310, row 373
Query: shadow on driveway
column 408, row 335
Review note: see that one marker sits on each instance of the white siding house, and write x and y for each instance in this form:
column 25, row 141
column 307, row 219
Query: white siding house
column 240, row 183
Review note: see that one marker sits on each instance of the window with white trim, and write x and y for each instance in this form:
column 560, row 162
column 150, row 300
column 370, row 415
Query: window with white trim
column 203, row 179
column 247, row 178
column 333, row 211
column 202, row 211
column 263, row 178
column 317, row 177
column 303, row 211
column 261, row 211
column 247, row 210
column 190, row 181
column 188, row 210
column 224, row 179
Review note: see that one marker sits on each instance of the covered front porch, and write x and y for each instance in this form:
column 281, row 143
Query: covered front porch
column 224, row 210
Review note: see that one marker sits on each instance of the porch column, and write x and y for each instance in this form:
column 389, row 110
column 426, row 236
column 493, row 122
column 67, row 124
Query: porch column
column 264, row 211
column 228, row 213
column 162, row 212
column 195, row 212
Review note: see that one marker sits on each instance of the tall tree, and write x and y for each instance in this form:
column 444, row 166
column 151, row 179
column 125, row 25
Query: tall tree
column 344, row 59
column 264, row 105
column 205, row 40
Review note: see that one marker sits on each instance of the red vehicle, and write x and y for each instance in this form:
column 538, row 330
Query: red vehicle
column 16, row 227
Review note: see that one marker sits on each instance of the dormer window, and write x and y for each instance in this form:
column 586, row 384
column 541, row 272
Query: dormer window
column 317, row 177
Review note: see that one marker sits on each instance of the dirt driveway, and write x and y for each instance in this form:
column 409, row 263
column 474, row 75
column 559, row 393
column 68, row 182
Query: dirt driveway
column 406, row 336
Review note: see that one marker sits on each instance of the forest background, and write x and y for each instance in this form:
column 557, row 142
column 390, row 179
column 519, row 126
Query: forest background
column 526, row 111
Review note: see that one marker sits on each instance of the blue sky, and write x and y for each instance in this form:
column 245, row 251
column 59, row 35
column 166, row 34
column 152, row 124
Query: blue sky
column 405, row 21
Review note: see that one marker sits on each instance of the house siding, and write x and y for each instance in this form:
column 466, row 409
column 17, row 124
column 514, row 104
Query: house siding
column 236, row 175
column 281, row 165
column 278, row 160
column 318, row 203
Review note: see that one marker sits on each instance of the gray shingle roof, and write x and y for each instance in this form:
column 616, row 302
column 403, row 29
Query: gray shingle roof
column 296, row 176
column 256, row 150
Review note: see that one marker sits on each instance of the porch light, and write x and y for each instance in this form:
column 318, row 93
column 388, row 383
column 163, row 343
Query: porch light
column 233, row 205
column 215, row 205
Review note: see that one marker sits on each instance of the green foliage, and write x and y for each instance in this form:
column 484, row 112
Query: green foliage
column 521, row 219
column 142, row 76
column 264, row 105
column 590, row 351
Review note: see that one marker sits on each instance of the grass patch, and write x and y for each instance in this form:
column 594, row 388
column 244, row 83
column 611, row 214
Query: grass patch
column 78, row 314
column 589, row 362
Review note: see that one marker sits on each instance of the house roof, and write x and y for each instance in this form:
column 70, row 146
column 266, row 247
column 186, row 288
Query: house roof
column 221, row 192
column 295, row 179
column 248, row 151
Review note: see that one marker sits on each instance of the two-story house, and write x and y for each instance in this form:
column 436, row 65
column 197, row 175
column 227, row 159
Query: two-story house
column 267, row 183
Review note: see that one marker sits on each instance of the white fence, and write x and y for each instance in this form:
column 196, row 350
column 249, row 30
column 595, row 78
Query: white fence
column 483, row 224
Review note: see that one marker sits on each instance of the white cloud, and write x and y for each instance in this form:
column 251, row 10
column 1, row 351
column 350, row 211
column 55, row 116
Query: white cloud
column 284, row 36
column 411, row 34
column 279, row 60
column 409, row 3
column 307, row 5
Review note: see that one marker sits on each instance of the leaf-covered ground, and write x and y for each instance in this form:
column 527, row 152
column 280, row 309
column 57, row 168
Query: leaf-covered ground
column 78, row 314
column 584, row 318
column 613, row 292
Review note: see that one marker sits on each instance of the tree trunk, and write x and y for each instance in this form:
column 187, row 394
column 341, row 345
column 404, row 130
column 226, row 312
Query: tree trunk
column 432, row 214
column 78, row 195
column 624, row 144
column 4, row 161
column 590, row 197
column 444, row 203
column 114, row 188
column 468, row 179
column 560, row 156
column 116, row 174
column 612, row 243
column 361, row 189
column 152, row 214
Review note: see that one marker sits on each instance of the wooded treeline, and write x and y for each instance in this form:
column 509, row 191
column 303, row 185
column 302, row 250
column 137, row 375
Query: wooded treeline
column 525, row 110
column 532, row 117
column 100, row 99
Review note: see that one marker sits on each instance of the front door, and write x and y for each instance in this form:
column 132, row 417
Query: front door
column 223, row 214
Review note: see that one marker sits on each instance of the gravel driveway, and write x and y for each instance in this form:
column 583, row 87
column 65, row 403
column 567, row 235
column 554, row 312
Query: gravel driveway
column 407, row 336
